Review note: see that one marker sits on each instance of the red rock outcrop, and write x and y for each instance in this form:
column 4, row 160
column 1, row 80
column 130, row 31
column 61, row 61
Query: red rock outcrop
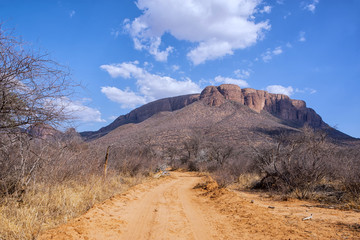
column 278, row 105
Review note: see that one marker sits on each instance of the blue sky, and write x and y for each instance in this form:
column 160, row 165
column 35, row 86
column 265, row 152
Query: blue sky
column 127, row 53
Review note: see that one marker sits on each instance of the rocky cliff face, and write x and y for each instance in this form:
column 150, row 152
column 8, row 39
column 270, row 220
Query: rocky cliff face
column 291, row 111
column 279, row 105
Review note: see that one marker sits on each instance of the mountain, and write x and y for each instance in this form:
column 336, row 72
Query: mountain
column 47, row 132
column 144, row 112
column 223, row 112
column 42, row 131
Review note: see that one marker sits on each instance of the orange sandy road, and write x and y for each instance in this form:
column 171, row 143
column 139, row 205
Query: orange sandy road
column 169, row 208
column 168, row 211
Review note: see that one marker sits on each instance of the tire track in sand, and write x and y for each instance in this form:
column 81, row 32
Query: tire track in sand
column 166, row 211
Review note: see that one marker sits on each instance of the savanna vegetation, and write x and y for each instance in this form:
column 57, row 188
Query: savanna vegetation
column 304, row 164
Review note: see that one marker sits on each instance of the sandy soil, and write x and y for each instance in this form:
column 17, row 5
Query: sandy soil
column 169, row 208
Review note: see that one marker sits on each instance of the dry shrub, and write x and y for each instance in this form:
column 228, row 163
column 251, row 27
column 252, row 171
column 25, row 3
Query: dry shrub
column 136, row 161
column 349, row 175
column 295, row 163
column 307, row 165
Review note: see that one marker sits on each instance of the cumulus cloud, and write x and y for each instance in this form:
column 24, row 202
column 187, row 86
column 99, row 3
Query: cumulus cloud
column 239, row 82
column 216, row 27
column 150, row 86
column 277, row 51
column 302, row 37
column 126, row 98
column 278, row 89
column 124, row 70
column 311, row 6
column 268, row 55
column 78, row 110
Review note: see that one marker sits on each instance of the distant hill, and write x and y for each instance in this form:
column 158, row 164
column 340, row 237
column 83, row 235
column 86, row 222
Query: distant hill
column 225, row 113
column 42, row 131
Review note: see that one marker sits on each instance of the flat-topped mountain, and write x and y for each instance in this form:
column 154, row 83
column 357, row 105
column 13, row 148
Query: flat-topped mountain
column 226, row 106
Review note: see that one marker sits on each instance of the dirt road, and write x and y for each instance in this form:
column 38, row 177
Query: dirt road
column 169, row 208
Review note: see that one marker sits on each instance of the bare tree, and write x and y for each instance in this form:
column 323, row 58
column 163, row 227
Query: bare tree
column 220, row 153
column 33, row 88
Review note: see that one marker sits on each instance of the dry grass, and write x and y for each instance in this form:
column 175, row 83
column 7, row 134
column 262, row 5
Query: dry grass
column 246, row 181
column 46, row 205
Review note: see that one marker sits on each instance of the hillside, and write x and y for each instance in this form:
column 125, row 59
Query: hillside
column 226, row 112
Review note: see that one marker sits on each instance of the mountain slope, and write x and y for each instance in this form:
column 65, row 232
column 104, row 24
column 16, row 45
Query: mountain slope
column 228, row 122
column 225, row 112
column 144, row 112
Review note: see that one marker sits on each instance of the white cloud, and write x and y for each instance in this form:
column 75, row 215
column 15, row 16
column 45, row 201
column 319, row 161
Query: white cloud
column 306, row 90
column 268, row 55
column 217, row 27
column 241, row 73
column 277, row 51
column 266, row 9
column 210, row 50
column 278, row 89
column 302, row 37
column 311, row 6
column 150, row 86
column 240, row 82
column 160, row 56
column 78, row 110
column 175, row 67
column 311, row 90
column 124, row 70
column 127, row 98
